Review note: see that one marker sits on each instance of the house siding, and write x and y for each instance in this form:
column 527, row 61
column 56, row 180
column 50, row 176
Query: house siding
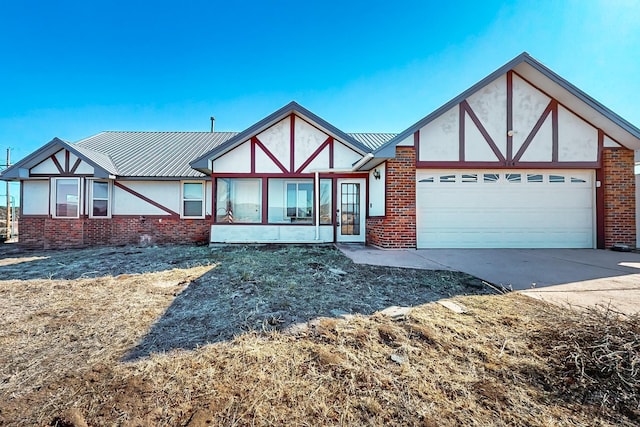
column 397, row 229
column 49, row 233
column 619, row 197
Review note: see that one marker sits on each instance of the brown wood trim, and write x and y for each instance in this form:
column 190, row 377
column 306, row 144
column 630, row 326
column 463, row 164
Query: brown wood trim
column 146, row 199
column 292, row 143
column 600, row 144
column 366, row 206
column 67, row 157
column 501, row 165
column 252, row 168
column 315, row 154
column 62, row 175
column 214, row 200
column 460, row 165
column 416, row 143
column 55, row 162
column 75, row 166
column 509, row 115
column 461, row 134
column 264, row 209
column 557, row 165
column 334, row 209
column 293, row 175
column 483, row 131
column 327, row 175
column 534, row 131
column 555, row 137
column 262, row 175
column 145, row 217
column 331, row 153
column 600, row 229
column 270, row 155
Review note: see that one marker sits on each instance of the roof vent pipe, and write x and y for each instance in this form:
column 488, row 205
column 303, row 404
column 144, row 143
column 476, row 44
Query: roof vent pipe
column 213, row 121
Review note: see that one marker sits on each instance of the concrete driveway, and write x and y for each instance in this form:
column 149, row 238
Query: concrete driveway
column 580, row 277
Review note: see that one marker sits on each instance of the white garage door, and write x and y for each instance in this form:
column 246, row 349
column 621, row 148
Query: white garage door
column 505, row 209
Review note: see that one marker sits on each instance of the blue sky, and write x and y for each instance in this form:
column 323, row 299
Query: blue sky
column 74, row 68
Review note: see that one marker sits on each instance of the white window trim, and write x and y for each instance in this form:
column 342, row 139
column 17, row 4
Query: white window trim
column 286, row 199
column 109, row 198
column 54, row 198
column 203, row 199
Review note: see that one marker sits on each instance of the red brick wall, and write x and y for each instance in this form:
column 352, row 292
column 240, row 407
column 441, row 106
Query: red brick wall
column 49, row 233
column 619, row 197
column 397, row 229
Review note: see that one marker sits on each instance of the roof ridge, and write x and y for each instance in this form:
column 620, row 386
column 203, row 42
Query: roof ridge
column 161, row 131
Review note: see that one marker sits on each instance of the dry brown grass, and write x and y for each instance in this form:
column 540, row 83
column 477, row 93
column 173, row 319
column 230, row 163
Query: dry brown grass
column 62, row 344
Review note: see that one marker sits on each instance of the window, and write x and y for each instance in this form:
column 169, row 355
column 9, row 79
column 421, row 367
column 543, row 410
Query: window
column 299, row 200
column 513, row 177
column 67, row 197
column 448, row 178
column 325, row 202
column 193, row 199
column 430, row 179
column 238, row 200
column 534, row 177
column 100, row 192
column 470, row 177
column 575, row 180
column 293, row 202
column 491, row 177
column 556, row 178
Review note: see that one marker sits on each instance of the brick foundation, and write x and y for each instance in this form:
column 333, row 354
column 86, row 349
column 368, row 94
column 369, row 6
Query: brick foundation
column 619, row 184
column 49, row 233
column 397, row 229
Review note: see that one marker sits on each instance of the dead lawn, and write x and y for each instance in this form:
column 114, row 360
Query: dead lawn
column 190, row 336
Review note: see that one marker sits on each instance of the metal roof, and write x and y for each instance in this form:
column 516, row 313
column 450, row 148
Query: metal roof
column 154, row 154
column 372, row 140
column 167, row 154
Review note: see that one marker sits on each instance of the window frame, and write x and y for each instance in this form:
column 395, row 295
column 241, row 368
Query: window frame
column 202, row 199
column 311, row 217
column 218, row 209
column 54, row 198
column 92, row 199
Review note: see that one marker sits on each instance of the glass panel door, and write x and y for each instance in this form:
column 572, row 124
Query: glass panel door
column 350, row 209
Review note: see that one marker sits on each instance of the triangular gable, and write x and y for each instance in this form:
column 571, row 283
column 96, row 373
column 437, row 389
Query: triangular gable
column 549, row 83
column 101, row 164
column 270, row 126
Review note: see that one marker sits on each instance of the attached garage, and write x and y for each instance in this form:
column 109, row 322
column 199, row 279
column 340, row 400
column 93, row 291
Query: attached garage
column 505, row 208
column 522, row 159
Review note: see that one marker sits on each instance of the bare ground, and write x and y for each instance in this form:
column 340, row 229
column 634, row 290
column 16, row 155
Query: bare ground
column 191, row 336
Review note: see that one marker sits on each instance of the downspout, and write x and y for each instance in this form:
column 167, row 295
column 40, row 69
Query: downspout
column 317, row 194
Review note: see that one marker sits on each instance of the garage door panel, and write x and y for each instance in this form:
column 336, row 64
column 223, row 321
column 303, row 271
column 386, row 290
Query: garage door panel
column 542, row 209
column 505, row 238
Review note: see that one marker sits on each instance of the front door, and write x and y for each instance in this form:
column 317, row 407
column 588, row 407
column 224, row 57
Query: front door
column 350, row 211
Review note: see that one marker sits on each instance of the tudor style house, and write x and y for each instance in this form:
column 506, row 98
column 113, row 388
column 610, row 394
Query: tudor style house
column 523, row 159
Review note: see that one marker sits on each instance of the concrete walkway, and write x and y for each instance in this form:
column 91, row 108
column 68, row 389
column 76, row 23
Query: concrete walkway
column 580, row 277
